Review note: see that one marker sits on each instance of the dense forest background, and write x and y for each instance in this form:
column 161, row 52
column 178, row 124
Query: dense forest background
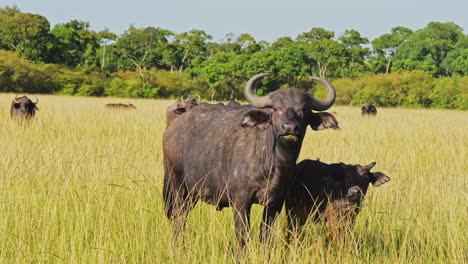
column 427, row 67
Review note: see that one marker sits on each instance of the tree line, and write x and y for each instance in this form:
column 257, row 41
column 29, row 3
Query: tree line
column 418, row 68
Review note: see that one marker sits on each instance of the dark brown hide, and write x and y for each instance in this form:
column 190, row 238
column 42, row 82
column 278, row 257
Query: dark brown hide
column 331, row 191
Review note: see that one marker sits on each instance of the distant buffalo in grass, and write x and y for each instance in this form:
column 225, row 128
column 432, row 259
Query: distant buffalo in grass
column 23, row 108
column 179, row 107
column 333, row 192
column 120, row 106
column 368, row 110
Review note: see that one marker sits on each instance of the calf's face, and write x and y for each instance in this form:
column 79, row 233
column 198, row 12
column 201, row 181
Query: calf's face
column 356, row 180
column 350, row 189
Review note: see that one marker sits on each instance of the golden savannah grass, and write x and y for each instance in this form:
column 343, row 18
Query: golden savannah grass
column 83, row 184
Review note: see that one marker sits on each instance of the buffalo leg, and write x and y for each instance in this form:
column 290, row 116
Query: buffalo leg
column 269, row 217
column 177, row 203
column 242, row 225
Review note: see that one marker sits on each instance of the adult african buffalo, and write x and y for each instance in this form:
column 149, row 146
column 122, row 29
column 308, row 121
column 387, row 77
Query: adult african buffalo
column 121, row 106
column 368, row 109
column 239, row 156
column 23, row 108
column 331, row 191
column 179, row 108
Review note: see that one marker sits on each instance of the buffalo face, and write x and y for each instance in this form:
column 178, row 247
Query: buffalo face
column 289, row 111
column 355, row 182
column 369, row 109
column 23, row 107
column 179, row 108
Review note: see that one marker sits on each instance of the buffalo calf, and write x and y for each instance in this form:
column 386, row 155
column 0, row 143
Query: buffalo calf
column 331, row 191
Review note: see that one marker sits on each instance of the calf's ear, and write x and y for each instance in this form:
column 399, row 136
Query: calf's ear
column 256, row 118
column 363, row 170
column 378, row 178
column 323, row 120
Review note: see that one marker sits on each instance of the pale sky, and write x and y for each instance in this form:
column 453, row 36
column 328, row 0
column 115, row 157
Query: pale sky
column 264, row 20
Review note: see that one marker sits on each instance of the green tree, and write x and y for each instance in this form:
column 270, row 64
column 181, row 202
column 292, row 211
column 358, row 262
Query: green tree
column 74, row 45
column 190, row 46
column 356, row 53
column 247, row 44
column 142, row 48
column 223, row 72
column 427, row 48
column 456, row 61
column 324, row 53
column 26, row 34
column 386, row 45
column 104, row 37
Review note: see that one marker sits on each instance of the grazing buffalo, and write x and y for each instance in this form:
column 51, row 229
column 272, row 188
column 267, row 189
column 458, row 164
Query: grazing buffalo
column 23, row 108
column 331, row 191
column 179, row 108
column 121, row 106
column 368, row 109
column 239, row 156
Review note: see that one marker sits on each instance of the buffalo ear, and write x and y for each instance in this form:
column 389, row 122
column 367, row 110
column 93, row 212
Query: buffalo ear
column 378, row 178
column 323, row 120
column 16, row 105
column 362, row 170
column 256, row 118
column 179, row 111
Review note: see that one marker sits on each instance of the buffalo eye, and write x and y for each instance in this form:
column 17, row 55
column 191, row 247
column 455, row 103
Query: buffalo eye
column 300, row 114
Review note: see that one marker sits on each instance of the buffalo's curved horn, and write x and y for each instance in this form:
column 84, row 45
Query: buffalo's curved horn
column 37, row 100
column 322, row 105
column 199, row 99
column 252, row 98
column 182, row 98
column 16, row 99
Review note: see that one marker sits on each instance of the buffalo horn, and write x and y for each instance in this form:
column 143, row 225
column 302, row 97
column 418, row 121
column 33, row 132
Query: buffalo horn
column 252, row 98
column 322, row 105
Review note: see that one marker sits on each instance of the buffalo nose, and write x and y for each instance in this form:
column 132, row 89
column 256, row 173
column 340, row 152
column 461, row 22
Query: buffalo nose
column 289, row 127
column 354, row 191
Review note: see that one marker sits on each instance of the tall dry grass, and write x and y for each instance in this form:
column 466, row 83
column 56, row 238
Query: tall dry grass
column 82, row 184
